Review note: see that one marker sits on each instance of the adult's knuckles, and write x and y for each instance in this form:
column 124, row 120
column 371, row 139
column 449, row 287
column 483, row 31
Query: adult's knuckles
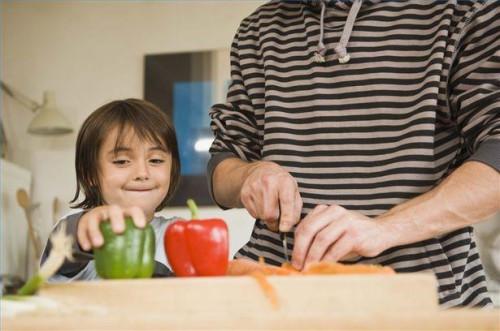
column 352, row 233
column 322, row 239
column 266, row 178
column 272, row 226
column 290, row 179
column 320, row 208
column 286, row 218
column 304, row 231
column 339, row 210
column 245, row 196
column 254, row 186
column 269, row 217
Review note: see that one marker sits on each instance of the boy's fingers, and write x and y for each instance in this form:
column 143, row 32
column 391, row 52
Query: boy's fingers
column 94, row 232
column 81, row 234
column 137, row 215
column 116, row 218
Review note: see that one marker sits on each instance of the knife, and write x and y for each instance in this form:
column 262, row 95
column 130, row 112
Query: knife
column 285, row 245
column 283, row 237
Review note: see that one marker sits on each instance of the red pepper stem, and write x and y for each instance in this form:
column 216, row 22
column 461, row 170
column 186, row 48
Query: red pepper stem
column 193, row 208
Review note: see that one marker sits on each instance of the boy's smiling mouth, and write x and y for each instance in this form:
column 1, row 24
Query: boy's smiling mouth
column 141, row 189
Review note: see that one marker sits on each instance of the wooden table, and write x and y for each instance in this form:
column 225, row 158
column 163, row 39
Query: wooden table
column 361, row 302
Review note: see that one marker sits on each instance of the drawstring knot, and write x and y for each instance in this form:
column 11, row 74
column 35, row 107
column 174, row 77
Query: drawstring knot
column 319, row 55
column 342, row 54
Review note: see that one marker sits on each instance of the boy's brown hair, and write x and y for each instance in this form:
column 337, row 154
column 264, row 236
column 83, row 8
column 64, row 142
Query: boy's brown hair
column 147, row 121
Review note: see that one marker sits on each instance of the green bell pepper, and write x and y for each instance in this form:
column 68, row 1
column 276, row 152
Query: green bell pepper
column 126, row 255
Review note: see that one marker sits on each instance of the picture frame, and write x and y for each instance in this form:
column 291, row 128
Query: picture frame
column 185, row 86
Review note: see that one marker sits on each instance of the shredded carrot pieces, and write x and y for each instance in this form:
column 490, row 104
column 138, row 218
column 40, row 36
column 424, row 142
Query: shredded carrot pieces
column 267, row 288
column 328, row 268
column 259, row 271
column 241, row 267
column 288, row 266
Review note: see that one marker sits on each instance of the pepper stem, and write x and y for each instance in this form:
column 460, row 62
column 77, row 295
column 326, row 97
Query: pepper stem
column 193, row 208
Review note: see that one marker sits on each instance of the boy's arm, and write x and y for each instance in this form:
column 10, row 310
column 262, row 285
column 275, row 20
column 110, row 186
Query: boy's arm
column 80, row 269
column 81, row 258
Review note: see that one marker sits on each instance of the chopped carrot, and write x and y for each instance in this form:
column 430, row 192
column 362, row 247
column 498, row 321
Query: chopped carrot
column 267, row 288
column 260, row 270
column 241, row 267
column 288, row 266
column 329, row 268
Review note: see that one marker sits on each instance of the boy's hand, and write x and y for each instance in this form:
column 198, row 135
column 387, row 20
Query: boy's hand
column 88, row 232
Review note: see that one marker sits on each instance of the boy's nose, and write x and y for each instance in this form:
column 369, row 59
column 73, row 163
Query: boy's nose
column 142, row 171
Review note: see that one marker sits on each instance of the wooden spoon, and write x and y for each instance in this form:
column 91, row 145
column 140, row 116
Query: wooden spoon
column 24, row 201
column 55, row 210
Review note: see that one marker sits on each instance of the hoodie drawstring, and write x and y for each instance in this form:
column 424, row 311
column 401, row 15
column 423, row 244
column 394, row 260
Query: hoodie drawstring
column 319, row 56
column 341, row 48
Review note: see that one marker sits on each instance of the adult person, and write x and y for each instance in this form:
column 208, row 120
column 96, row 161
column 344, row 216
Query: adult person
column 367, row 130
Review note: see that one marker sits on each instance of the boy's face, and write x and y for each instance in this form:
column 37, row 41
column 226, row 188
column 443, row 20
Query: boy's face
column 138, row 174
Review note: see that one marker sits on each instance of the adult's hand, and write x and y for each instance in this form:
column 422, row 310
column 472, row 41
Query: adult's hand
column 331, row 233
column 271, row 194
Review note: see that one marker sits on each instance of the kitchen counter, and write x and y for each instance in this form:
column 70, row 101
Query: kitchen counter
column 347, row 302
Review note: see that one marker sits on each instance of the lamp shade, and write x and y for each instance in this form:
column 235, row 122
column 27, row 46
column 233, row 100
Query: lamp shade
column 48, row 120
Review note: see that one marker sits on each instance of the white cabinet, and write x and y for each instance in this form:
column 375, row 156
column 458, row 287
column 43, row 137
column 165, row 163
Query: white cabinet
column 15, row 250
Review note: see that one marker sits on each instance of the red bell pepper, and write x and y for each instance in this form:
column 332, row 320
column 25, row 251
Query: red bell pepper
column 197, row 247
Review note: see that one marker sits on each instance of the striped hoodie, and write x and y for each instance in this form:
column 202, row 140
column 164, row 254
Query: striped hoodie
column 368, row 104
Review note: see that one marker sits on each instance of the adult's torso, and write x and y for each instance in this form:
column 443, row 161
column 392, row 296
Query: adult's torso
column 369, row 134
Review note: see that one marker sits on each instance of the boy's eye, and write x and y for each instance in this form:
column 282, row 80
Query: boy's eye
column 157, row 161
column 120, row 162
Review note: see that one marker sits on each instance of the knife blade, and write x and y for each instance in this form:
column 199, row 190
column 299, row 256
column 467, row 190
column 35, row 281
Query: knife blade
column 285, row 246
column 284, row 240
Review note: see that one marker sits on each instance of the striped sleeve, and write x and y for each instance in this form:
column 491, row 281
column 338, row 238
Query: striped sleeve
column 475, row 84
column 234, row 123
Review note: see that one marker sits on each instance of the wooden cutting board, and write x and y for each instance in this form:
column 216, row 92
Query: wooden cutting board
column 403, row 301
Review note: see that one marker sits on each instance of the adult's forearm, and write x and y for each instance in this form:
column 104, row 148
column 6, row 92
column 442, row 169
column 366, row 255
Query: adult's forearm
column 470, row 194
column 227, row 180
